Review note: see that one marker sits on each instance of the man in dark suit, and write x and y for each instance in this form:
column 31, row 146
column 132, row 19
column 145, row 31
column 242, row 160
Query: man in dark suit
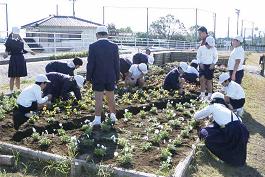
column 103, row 71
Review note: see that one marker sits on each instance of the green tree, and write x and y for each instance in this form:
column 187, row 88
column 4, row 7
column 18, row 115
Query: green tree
column 112, row 29
column 168, row 27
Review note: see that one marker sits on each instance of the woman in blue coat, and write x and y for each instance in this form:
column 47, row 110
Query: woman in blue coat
column 17, row 64
column 227, row 138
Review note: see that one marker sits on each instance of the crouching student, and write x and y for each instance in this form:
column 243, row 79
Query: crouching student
column 125, row 65
column 30, row 100
column 61, row 85
column 234, row 93
column 207, row 57
column 136, row 74
column 227, row 138
column 190, row 74
column 173, row 81
column 62, row 67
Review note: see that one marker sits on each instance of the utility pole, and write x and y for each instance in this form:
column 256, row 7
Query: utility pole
column 214, row 23
column 57, row 11
column 252, row 38
column 228, row 24
column 147, row 28
column 196, row 24
column 237, row 12
column 242, row 24
column 73, row 7
column 103, row 14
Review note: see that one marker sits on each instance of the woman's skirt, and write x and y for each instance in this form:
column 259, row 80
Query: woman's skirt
column 17, row 66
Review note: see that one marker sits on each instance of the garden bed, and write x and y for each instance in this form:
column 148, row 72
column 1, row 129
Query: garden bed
column 155, row 129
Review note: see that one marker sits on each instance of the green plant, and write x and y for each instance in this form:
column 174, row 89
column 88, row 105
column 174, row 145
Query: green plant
column 87, row 142
column 45, row 141
column 165, row 167
column 35, row 136
column 184, row 133
column 177, row 142
column 57, row 168
column 122, row 142
column 170, row 114
column 156, row 139
column 61, row 132
column 164, row 134
column 50, row 119
column 72, row 147
column 187, row 114
column 100, row 151
column 146, row 146
column 142, row 114
column 127, row 115
column 171, row 148
column 33, row 119
column 125, row 159
column 65, row 138
column 174, row 123
column 153, row 110
column 106, row 125
column 104, row 171
column 179, row 108
column 87, row 128
column 165, row 153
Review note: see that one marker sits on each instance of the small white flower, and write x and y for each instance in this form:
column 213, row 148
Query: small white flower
column 98, row 145
column 181, row 118
column 125, row 119
column 144, row 107
column 170, row 140
column 33, row 129
column 103, row 147
column 116, row 154
column 46, row 131
column 145, row 138
column 164, row 141
column 53, row 135
column 86, row 121
column 54, row 129
column 126, row 110
column 171, row 102
column 60, row 124
column 156, row 131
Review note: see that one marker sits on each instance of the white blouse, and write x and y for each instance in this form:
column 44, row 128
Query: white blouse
column 207, row 56
column 220, row 114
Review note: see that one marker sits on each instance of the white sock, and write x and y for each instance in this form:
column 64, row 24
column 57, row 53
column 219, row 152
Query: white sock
column 97, row 119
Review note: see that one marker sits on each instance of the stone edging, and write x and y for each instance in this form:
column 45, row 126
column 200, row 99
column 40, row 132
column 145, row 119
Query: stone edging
column 76, row 164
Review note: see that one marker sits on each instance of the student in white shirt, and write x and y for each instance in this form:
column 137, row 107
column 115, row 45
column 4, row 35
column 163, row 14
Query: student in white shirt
column 207, row 57
column 227, row 138
column 236, row 60
column 136, row 75
column 234, row 93
column 190, row 74
column 30, row 100
column 150, row 57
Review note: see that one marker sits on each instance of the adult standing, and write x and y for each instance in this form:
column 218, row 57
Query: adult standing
column 203, row 33
column 236, row 60
column 103, row 71
column 17, row 64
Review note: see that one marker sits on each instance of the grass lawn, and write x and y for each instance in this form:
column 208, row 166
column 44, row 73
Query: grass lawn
column 205, row 164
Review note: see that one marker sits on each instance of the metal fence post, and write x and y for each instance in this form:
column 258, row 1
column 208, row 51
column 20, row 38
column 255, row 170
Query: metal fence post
column 54, row 43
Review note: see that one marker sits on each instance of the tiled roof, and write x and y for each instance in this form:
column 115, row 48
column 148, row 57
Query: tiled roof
column 62, row 21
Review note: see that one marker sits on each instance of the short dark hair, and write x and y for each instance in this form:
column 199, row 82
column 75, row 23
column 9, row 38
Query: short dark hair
column 102, row 33
column 203, row 29
column 78, row 61
column 39, row 83
column 219, row 100
column 195, row 65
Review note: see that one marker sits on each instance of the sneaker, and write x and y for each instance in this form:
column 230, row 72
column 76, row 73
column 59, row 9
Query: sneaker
column 201, row 97
column 96, row 121
column 113, row 117
column 10, row 92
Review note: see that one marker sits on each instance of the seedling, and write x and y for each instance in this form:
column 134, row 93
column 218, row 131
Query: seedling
column 35, row 136
column 165, row 153
column 87, row 129
column 122, row 142
column 174, row 123
column 142, row 114
column 65, row 138
column 45, row 141
column 146, row 146
column 153, row 110
column 100, row 151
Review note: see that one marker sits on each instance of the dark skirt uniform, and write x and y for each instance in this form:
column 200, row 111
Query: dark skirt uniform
column 228, row 143
column 17, row 64
column 59, row 67
column 190, row 77
column 125, row 65
column 140, row 58
column 171, row 81
column 61, row 85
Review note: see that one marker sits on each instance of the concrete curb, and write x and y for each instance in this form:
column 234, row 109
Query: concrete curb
column 77, row 165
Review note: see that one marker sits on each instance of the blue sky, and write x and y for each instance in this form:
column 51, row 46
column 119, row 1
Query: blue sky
column 22, row 12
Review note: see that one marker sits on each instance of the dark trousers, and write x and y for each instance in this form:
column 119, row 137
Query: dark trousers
column 239, row 75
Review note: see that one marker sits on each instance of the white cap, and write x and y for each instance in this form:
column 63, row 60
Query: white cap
column 183, row 66
column 239, row 38
column 143, row 67
column 210, row 41
column 41, row 78
column 79, row 80
column 102, row 29
column 217, row 95
column 15, row 30
column 223, row 77
column 194, row 61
